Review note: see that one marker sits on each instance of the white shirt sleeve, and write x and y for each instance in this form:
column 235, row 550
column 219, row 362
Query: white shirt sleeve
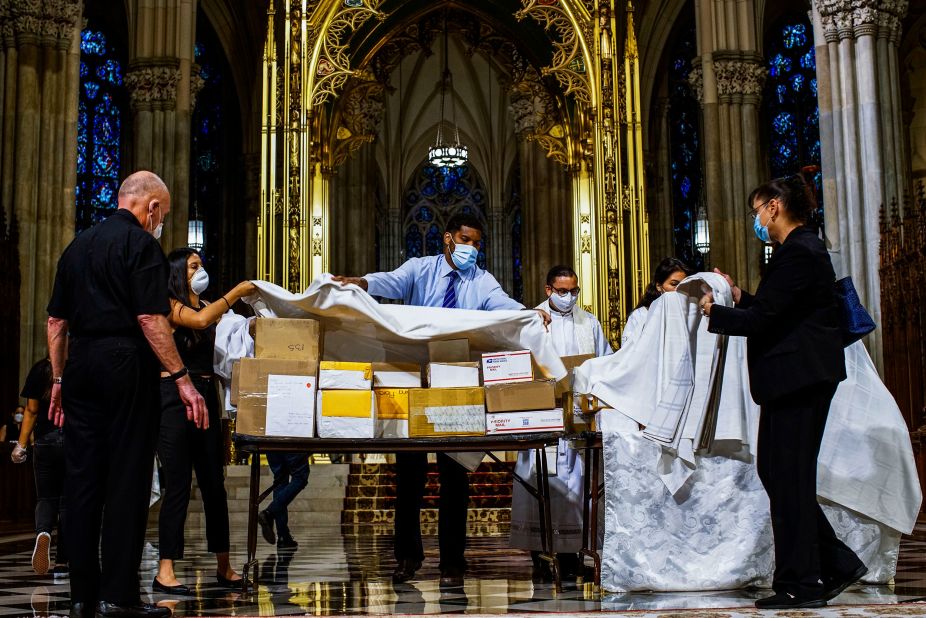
column 635, row 323
column 397, row 284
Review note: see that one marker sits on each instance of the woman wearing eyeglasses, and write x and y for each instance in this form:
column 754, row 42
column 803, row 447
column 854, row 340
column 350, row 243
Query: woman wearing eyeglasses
column 795, row 357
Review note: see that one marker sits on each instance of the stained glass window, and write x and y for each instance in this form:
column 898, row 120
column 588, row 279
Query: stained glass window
column 433, row 196
column 684, row 116
column 100, row 115
column 206, row 193
column 790, row 102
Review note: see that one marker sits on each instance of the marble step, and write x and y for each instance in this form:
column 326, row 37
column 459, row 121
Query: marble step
column 238, row 520
column 379, row 503
column 388, row 478
column 377, row 468
column 473, row 529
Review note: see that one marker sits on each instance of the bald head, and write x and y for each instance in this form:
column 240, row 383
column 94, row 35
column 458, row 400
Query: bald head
column 146, row 196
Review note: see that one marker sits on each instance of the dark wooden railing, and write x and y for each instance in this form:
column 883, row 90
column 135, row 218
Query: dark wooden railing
column 903, row 312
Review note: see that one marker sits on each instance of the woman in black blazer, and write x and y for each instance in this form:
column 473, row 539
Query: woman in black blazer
column 795, row 356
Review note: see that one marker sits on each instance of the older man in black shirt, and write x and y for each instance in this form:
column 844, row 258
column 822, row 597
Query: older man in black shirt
column 107, row 318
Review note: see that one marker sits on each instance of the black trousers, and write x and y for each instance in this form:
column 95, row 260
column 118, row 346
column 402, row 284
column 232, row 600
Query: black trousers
column 50, row 509
column 112, row 408
column 807, row 552
column 182, row 448
column 411, row 478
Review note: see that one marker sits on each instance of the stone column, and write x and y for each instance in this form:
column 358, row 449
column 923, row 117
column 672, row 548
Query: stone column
column 861, row 128
column 39, row 62
column 161, row 79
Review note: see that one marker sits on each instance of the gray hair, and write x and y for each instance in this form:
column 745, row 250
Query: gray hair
column 142, row 184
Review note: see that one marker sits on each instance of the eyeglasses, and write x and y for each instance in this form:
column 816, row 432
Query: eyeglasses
column 560, row 292
column 754, row 212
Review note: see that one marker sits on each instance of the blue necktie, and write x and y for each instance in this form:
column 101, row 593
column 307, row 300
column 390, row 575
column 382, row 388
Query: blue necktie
column 450, row 296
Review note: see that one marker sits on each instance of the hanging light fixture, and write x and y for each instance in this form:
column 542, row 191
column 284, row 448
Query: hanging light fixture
column 442, row 153
column 195, row 231
column 702, row 232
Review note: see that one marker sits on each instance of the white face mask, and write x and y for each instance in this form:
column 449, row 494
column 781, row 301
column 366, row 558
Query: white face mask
column 464, row 256
column 200, row 281
column 18, row 417
column 563, row 304
column 156, row 232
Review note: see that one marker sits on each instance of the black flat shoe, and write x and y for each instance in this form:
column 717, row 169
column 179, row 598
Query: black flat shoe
column 834, row 588
column 140, row 610
column 405, row 570
column 179, row 589
column 82, row 609
column 452, row 577
column 231, row 583
column 786, row 600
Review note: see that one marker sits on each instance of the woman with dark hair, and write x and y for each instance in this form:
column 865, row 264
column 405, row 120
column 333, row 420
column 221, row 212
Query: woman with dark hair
column 182, row 447
column 48, row 466
column 669, row 273
column 795, row 358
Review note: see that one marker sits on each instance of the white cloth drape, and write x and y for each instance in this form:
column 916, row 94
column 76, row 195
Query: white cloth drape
column 690, row 520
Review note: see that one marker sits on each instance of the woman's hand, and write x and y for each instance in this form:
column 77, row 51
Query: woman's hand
column 737, row 293
column 245, row 288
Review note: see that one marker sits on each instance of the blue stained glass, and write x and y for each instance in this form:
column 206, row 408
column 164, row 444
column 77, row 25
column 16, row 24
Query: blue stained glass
column 198, row 50
column 685, row 186
column 92, row 42
column 434, row 241
column 99, row 129
column 424, row 214
column 684, row 147
column 206, row 162
column 790, row 106
column 779, row 65
column 91, row 89
column 414, row 244
column 808, row 61
column 111, row 72
column 794, row 36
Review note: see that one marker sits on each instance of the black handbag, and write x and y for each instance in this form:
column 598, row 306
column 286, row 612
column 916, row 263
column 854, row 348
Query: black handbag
column 856, row 321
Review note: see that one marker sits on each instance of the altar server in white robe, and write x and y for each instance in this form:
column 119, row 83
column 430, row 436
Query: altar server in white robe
column 573, row 331
column 669, row 273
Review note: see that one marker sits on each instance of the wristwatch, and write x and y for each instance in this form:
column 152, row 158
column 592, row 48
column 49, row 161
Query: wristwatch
column 57, row 380
column 179, row 374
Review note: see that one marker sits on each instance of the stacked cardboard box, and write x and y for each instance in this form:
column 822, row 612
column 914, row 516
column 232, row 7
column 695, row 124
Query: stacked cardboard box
column 391, row 383
column 346, row 407
column 276, row 389
column 515, row 402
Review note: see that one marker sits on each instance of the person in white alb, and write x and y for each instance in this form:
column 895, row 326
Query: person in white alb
column 668, row 274
column 574, row 331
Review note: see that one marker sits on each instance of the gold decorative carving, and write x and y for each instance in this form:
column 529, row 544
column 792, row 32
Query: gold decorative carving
column 333, row 68
column 568, row 66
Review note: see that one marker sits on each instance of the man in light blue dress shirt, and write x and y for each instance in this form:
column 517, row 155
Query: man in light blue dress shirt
column 450, row 280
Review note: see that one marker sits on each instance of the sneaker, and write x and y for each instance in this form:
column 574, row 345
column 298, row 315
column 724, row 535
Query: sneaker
column 40, row 556
column 61, row 572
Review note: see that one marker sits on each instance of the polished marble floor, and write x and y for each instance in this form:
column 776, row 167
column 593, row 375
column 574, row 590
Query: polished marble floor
column 334, row 574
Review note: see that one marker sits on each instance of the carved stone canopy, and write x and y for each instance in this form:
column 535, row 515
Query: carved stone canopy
column 49, row 22
column 152, row 83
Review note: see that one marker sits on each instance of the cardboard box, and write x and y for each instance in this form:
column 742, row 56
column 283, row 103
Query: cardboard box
column 276, row 397
column 575, row 418
column 500, row 367
column 446, row 412
column 519, row 396
column 287, row 339
column 346, row 414
column 453, row 375
column 449, row 351
column 524, row 422
column 233, row 388
column 396, row 375
column 391, row 412
column 336, row 375
column 571, row 362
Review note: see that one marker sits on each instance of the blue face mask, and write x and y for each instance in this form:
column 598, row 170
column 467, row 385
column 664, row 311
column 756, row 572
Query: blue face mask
column 760, row 230
column 464, row 256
